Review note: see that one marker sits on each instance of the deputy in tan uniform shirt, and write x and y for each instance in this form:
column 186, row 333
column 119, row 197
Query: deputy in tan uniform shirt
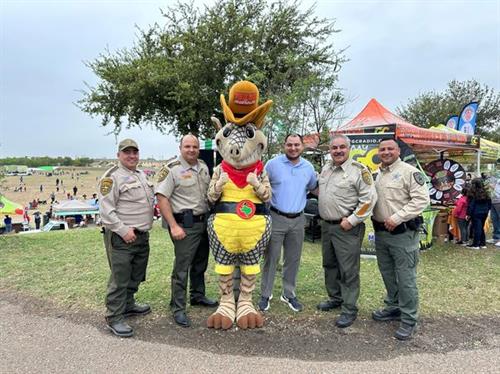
column 346, row 198
column 126, row 208
column 402, row 197
column 182, row 198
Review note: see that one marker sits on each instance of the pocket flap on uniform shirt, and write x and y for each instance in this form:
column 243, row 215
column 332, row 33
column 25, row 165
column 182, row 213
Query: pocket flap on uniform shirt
column 129, row 186
column 187, row 182
column 399, row 184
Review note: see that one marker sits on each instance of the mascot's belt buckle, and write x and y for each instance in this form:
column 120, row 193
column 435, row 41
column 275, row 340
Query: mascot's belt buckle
column 245, row 209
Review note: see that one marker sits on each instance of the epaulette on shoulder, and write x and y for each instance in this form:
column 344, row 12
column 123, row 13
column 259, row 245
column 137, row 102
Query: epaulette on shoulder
column 170, row 165
column 110, row 171
column 202, row 162
column 358, row 164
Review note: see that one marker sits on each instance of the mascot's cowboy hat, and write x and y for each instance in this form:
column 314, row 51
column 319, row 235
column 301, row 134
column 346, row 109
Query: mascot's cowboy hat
column 244, row 105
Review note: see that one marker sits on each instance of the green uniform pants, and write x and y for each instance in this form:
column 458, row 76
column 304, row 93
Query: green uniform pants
column 341, row 263
column 128, row 263
column 191, row 259
column 397, row 257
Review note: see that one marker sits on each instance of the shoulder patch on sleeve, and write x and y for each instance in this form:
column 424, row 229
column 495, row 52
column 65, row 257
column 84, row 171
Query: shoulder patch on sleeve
column 367, row 176
column 419, row 178
column 105, row 185
column 163, row 173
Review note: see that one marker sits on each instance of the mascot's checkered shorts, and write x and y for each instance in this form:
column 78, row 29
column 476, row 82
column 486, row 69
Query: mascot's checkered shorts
column 238, row 257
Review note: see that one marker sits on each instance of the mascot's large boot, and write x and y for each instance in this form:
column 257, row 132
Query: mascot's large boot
column 223, row 317
column 246, row 316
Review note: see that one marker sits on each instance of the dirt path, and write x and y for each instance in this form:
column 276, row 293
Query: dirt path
column 302, row 339
column 45, row 343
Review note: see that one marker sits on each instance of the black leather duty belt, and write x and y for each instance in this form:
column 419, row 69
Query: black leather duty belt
column 139, row 232
column 413, row 224
column 333, row 221
column 287, row 215
column 260, row 209
column 179, row 218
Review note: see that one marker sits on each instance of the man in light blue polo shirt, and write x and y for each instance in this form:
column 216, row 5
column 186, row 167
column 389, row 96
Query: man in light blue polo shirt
column 291, row 178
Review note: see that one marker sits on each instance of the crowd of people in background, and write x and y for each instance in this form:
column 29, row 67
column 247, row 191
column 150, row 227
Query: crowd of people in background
column 479, row 199
column 44, row 200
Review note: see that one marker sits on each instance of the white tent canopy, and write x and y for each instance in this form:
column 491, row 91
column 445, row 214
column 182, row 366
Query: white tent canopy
column 74, row 207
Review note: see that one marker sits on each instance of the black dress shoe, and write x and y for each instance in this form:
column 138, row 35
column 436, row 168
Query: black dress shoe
column 345, row 320
column 405, row 331
column 382, row 315
column 181, row 319
column 121, row 328
column 204, row 301
column 328, row 305
column 138, row 310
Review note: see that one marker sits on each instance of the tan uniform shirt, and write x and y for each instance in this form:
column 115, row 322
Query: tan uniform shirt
column 186, row 186
column 402, row 193
column 126, row 200
column 346, row 191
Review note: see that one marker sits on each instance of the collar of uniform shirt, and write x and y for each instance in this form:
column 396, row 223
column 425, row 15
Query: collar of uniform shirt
column 187, row 165
column 391, row 166
column 343, row 166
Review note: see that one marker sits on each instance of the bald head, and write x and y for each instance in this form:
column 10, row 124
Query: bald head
column 189, row 136
column 190, row 149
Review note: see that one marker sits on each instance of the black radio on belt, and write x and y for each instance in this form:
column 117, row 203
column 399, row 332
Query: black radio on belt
column 415, row 223
column 187, row 218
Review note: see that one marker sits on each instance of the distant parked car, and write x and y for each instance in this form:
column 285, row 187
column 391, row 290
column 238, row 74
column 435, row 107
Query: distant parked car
column 50, row 226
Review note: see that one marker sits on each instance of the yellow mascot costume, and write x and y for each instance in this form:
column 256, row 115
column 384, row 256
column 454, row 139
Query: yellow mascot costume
column 241, row 226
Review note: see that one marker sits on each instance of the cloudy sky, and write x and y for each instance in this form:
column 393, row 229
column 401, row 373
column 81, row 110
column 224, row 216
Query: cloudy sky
column 397, row 50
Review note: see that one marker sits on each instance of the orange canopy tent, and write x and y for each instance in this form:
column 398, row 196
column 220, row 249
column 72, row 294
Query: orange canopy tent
column 375, row 118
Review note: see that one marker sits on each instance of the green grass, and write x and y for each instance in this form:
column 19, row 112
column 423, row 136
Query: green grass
column 70, row 269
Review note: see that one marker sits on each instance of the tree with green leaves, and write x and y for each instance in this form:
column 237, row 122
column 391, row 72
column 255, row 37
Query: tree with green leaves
column 2, row 180
column 433, row 108
column 313, row 105
column 34, row 162
column 172, row 77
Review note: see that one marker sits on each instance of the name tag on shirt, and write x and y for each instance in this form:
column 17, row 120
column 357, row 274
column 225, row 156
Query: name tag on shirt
column 186, row 174
column 128, row 179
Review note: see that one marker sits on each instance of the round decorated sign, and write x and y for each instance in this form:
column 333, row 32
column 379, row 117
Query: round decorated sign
column 245, row 209
column 448, row 180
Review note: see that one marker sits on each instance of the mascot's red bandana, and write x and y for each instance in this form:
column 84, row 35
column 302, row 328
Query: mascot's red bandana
column 239, row 176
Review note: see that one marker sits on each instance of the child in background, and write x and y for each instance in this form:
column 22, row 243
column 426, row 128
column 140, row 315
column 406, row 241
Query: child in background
column 479, row 205
column 460, row 213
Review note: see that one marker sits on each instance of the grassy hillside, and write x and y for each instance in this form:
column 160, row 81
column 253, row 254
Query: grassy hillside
column 70, row 268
